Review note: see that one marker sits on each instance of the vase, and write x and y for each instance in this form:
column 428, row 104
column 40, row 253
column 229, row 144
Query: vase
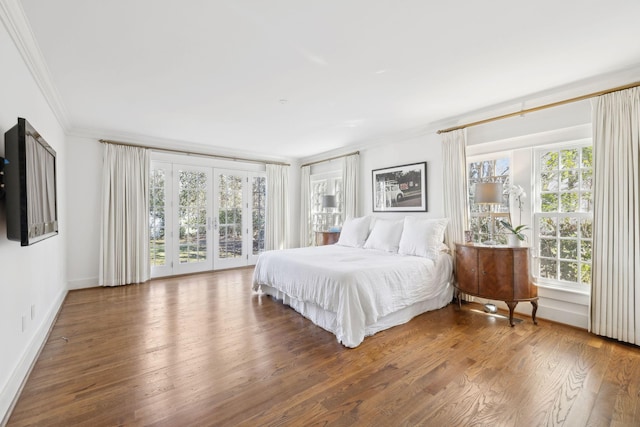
column 513, row 240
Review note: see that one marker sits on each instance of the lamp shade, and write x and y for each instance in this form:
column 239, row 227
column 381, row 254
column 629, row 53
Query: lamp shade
column 329, row 201
column 488, row 192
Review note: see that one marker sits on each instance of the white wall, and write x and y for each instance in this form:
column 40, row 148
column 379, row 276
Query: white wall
column 425, row 148
column 84, row 185
column 33, row 276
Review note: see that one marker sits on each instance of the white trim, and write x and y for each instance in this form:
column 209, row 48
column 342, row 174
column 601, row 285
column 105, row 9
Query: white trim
column 18, row 378
column 89, row 282
column 17, row 25
column 551, row 306
column 537, row 140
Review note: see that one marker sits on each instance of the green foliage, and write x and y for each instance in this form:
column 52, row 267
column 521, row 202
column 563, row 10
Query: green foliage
column 515, row 230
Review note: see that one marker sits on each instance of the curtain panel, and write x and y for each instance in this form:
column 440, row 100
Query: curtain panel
column 305, row 207
column 454, row 157
column 350, row 186
column 124, row 238
column 277, row 234
column 615, row 292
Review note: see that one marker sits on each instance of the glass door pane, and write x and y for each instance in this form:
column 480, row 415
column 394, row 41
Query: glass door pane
column 160, row 254
column 230, row 248
column 258, row 216
column 193, row 207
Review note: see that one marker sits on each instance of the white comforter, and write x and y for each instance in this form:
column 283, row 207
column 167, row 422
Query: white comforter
column 360, row 286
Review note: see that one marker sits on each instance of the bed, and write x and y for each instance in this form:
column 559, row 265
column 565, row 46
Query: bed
column 374, row 278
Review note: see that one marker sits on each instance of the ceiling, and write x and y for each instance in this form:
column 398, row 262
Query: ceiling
column 292, row 78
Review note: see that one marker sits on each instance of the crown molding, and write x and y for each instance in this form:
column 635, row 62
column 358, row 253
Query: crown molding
column 15, row 21
column 161, row 143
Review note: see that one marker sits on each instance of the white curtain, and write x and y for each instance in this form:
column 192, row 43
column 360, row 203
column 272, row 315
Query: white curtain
column 124, row 238
column 277, row 235
column 305, row 206
column 454, row 158
column 350, row 187
column 615, row 292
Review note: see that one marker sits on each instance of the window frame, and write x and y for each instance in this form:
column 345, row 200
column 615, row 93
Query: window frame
column 498, row 234
column 536, row 214
column 317, row 216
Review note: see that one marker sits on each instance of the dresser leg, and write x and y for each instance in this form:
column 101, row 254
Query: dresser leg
column 534, row 310
column 512, row 306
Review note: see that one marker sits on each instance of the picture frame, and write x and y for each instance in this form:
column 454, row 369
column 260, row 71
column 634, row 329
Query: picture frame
column 400, row 188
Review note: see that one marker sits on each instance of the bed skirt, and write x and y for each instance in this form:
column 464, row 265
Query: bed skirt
column 327, row 319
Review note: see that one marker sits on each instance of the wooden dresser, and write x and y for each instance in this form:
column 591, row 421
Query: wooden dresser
column 497, row 273
column 327, row 237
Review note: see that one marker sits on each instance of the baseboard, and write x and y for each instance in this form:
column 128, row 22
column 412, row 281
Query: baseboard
column 91, row 282
column 568, row 313
column 13, row 388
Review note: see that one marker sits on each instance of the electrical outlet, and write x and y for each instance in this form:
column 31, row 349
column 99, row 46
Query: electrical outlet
column 33, row 311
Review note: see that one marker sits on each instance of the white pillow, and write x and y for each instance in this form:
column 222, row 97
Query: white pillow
column 385, row 235
column 422, row 237
column 354, row 232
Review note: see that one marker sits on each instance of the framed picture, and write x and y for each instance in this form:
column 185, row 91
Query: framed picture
column 400, row 188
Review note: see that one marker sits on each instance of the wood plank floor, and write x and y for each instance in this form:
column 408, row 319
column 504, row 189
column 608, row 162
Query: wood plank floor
column 205, row 350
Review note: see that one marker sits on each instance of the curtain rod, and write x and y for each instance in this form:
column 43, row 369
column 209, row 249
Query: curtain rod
column 329, row 159
column 193, row 153
column 542, row 107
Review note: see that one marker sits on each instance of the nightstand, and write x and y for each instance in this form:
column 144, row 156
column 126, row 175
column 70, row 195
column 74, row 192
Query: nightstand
column 327, row 237
column 498, row 273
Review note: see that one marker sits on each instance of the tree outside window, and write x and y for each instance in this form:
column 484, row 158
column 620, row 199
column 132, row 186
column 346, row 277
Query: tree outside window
column 483, row 217
column 563, row 214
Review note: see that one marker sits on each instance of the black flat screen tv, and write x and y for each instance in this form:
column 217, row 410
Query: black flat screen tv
column 30, row 184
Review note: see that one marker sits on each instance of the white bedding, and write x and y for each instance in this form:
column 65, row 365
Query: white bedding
column 354, row 292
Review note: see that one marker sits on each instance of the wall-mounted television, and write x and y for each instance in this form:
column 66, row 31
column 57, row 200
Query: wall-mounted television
column 30, row 184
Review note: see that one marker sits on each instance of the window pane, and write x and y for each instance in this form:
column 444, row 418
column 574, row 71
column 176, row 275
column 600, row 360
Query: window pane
column 549, row 202
column 569, row 227
column 585, row 228
column 192, row 203
column 569, row 159
column 548, row 269
column 480, row 222
column 157, row 255
column 548, row 226
column 587, row 180
column 564, row 181
column 569, row 180
column 230, row 217
column 569, row 271
column 585, row 250
column 258, row 214
column 548, row 248
column 569, row 249
column 569, row 202
column 585, row 274
column 587, row 157
column 549, row 181
column 586, row 202
column 549, row 161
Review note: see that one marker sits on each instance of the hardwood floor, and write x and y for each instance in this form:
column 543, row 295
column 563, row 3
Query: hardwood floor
column 205, row 350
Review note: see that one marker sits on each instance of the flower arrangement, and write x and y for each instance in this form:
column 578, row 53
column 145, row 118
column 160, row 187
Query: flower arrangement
column 518, row 194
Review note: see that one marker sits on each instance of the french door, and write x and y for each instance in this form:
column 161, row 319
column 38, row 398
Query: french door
column 203, row 218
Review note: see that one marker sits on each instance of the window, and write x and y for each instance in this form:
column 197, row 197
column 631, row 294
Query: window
column 324, row 218
column 484, row 218
column 563, row 215
column 259, row 195
column 156, row 217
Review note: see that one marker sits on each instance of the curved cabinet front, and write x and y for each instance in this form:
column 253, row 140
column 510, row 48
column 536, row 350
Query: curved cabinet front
column 498, row 273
